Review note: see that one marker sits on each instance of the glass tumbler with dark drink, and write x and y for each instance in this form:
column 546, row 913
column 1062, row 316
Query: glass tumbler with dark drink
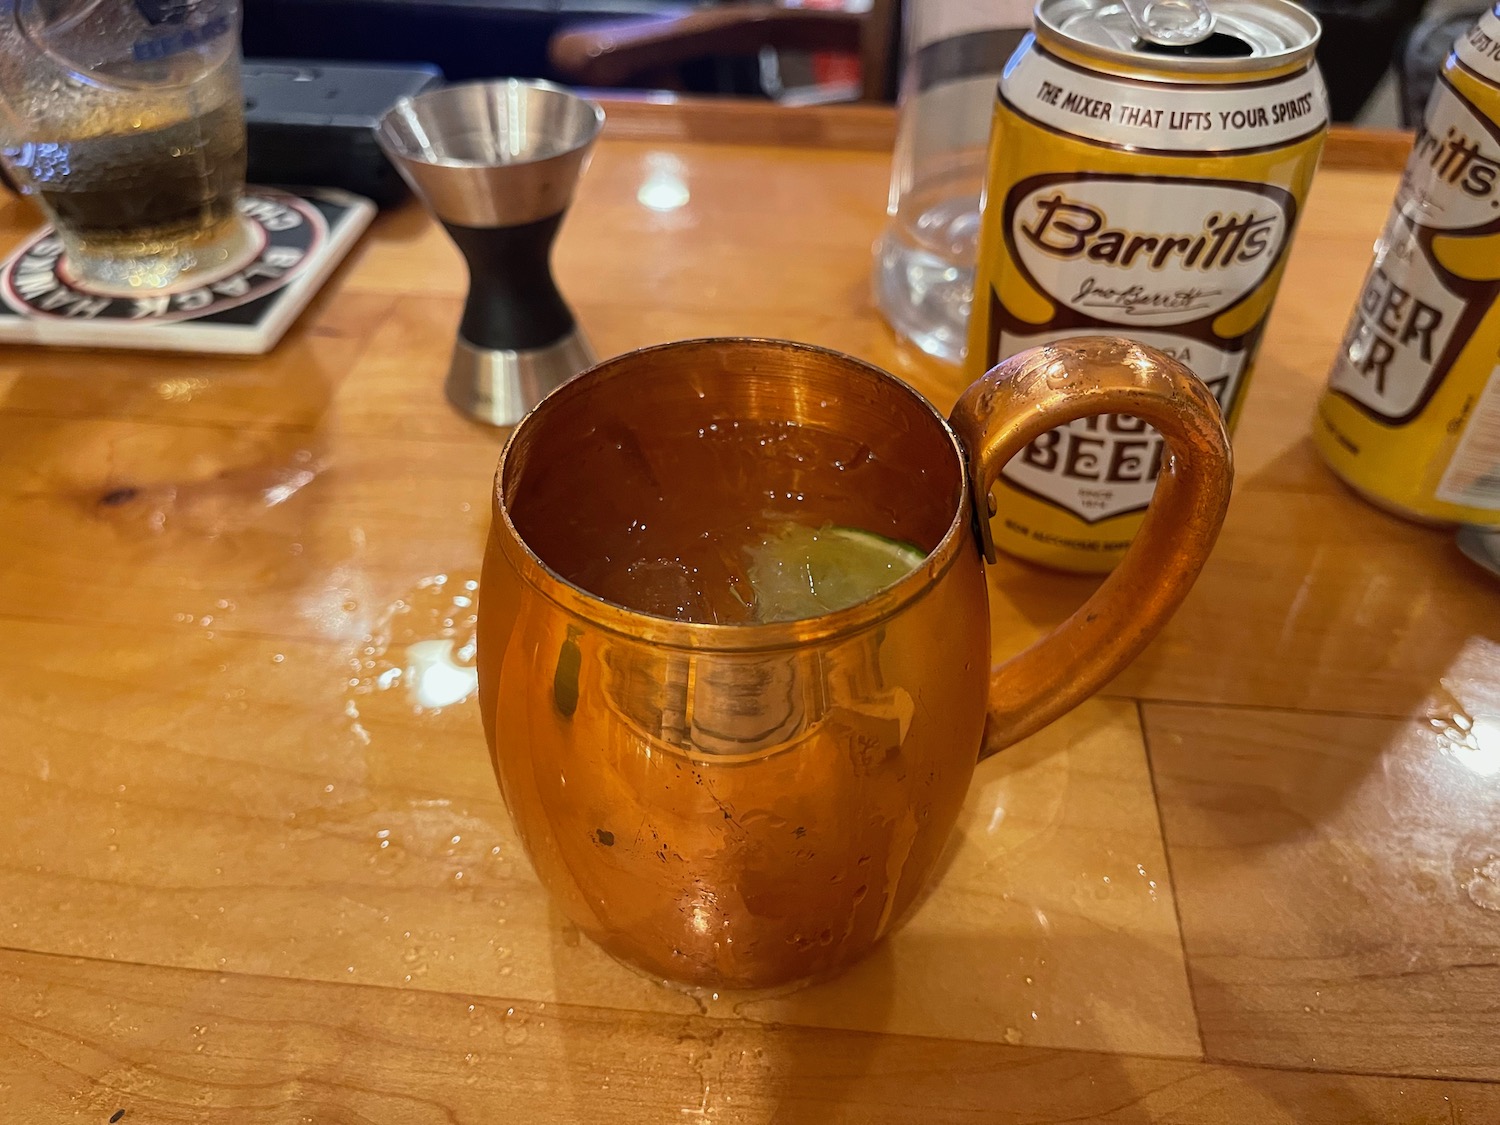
column 124, row 120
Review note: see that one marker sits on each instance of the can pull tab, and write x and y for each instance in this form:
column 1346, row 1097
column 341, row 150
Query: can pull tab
column 1170, row 23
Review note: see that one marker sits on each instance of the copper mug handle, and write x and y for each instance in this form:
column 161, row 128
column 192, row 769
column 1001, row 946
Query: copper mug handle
column 1046, row 387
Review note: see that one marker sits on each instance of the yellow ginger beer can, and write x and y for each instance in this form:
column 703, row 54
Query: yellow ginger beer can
column 1411, row 415
column 1143, row 192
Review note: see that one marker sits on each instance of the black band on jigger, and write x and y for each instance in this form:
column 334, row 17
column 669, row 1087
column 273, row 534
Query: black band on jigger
column 513, row 302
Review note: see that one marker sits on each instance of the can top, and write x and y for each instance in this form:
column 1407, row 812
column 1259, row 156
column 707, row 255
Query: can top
column 1248, row 36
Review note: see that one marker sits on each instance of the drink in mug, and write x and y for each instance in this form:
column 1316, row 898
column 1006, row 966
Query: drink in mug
column 141, row 172
column 1142, row 193
column 765, row 571
column 1411, row 414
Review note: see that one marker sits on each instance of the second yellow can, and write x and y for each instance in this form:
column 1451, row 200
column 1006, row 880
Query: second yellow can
column 1411, row 416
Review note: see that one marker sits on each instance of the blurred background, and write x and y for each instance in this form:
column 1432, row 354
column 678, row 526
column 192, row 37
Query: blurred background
column 1378, row 56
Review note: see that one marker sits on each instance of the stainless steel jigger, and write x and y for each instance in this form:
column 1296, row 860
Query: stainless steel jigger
column 496, row 163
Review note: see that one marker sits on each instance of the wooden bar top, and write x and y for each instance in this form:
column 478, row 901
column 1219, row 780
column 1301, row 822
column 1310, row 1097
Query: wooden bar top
column 247, row 876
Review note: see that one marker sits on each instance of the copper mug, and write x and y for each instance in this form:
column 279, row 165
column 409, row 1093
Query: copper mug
column 743, row 805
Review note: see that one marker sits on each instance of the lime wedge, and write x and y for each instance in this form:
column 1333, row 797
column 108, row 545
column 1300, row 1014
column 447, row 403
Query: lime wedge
column 799, row 571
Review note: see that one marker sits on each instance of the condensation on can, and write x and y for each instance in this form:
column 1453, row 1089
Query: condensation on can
column 1144, row 194
column 1411, row 415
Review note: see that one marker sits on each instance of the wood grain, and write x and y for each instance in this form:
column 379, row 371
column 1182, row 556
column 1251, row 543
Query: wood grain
column 744, row 121
column 262, row 845
column 1331, row 868
column 86, row 1039
column 241, row 805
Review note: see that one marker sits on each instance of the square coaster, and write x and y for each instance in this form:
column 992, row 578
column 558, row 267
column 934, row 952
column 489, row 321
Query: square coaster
column 243, row 312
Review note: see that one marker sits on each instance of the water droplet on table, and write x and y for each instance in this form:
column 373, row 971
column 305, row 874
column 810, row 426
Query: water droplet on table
column 425, row 642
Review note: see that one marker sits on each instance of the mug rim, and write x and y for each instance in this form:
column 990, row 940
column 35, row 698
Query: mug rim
column 738, row 638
